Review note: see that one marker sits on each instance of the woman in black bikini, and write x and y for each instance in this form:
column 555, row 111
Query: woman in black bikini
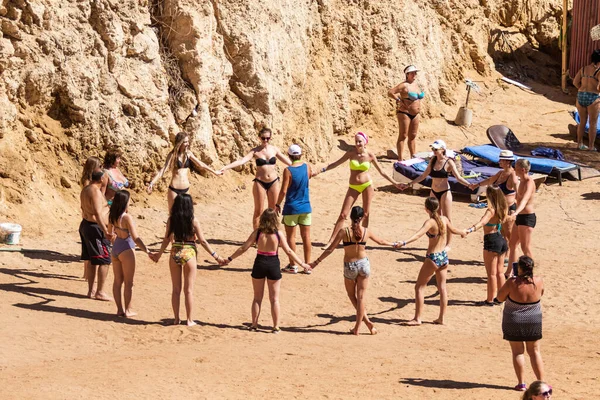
column 438, row 169
column 408, row 98
column 266, row 182
column 179, row 161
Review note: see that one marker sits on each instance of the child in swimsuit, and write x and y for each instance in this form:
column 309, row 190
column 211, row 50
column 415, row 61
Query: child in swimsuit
column 268, row 239
column 436, row 262
column 123, row 251
column 183, row 229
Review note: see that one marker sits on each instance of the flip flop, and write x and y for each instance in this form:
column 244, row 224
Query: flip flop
column 521, row 387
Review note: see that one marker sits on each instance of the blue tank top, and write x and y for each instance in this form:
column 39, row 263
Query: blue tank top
column 297, row 198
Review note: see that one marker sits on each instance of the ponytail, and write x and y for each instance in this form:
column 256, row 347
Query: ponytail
column 356, row 215
column 433, row 205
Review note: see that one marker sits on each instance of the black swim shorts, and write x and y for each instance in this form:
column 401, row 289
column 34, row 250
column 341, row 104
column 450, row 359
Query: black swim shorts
column 95, row 247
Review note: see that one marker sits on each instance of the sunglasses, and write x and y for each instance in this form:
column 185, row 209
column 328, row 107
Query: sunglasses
column 546, row 394
column 267, row 138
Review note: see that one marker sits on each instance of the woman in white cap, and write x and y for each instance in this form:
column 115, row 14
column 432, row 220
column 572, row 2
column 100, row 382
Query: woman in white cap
column 360, row 161
column 266, row 182
column 297, row 209
column 507, row 181
column 439, row 168
column 408, row 96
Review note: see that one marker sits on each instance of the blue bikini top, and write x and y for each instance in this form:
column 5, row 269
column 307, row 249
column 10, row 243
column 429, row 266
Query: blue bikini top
column 415, row 96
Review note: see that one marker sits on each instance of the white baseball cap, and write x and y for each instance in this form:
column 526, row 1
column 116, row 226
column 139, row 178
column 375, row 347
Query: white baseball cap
column 295, row 150
column 438, row 144
column 410, row 68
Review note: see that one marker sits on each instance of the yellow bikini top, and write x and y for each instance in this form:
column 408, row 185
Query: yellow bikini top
column 356, row 165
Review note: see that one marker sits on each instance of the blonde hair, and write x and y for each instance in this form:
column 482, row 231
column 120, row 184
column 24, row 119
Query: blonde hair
column 433, row 205
column 497, row 201
column 174, row 153
column 268, row 221
column 91, row 164
column 523, row 163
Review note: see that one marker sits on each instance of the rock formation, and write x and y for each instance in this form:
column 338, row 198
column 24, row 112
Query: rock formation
column 78, row 76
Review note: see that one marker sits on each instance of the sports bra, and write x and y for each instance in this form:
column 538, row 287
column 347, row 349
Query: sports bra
column 185, row 164
column 350, row 242
column 267, row 253
column 356, row 165
column 438, row 173
column 412, row 96
column 263, row 161
column 114, row 185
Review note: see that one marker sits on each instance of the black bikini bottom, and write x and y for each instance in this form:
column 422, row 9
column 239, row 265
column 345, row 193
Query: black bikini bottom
column 265, row 185
column 179, row 191
column 438, row 195
column 411, row 116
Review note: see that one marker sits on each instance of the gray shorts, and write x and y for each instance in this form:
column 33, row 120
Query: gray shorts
column 360, row 267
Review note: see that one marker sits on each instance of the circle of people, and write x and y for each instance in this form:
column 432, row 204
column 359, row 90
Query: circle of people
column 110, row 237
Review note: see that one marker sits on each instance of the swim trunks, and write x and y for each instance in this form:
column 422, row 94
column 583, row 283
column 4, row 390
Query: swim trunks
column 95, row 247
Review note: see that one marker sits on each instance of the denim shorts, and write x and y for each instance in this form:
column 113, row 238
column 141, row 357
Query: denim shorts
column 360, row 267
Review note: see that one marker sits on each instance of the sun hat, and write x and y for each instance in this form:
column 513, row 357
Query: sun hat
column 294, row 150
column 438, row 144
column 410, row 68
column 507, row 155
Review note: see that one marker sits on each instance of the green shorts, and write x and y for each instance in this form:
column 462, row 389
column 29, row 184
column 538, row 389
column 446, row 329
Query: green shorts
column 297, row 219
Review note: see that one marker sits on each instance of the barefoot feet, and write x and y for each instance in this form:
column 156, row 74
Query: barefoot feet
column 102, row 296
column 439, row 321
column 190, row 322
column 413, row 322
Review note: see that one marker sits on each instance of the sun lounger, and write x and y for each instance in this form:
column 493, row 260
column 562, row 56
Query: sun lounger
column 538, row 164
column 504, row 139
column 575, row 116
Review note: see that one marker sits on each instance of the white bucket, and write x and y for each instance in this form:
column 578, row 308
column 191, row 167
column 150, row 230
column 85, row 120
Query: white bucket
column 10, row 233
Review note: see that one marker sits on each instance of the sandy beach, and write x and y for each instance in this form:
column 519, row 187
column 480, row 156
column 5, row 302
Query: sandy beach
column 58, row 344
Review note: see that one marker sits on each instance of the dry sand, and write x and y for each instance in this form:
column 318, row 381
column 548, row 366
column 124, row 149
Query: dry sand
column 57, row 344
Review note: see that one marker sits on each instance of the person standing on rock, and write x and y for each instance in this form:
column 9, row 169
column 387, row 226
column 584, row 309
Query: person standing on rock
column 297, row 209
column 408, row 96
column 95, row 244
column 588, row 103
column 266, row 182
column 179, row 161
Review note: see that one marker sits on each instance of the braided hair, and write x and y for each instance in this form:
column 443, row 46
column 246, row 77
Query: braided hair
column 356, row 215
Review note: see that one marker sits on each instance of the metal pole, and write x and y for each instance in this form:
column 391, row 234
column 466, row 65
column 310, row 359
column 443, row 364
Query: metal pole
column 564, row 46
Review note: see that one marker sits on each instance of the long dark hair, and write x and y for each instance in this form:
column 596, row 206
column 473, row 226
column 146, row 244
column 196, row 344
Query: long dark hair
column 433, row 206
column 533, row 390
column 182, row 218
column 118, row 207
column 356, row 215
column 526, row 265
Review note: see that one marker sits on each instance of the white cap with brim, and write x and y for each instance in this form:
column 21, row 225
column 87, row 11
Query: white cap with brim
column 295, row 150
column 507, row 155
column 438, row 144
column 410, row 68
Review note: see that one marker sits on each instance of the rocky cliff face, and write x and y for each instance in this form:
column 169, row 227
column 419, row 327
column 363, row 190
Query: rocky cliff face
column 77, row 76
